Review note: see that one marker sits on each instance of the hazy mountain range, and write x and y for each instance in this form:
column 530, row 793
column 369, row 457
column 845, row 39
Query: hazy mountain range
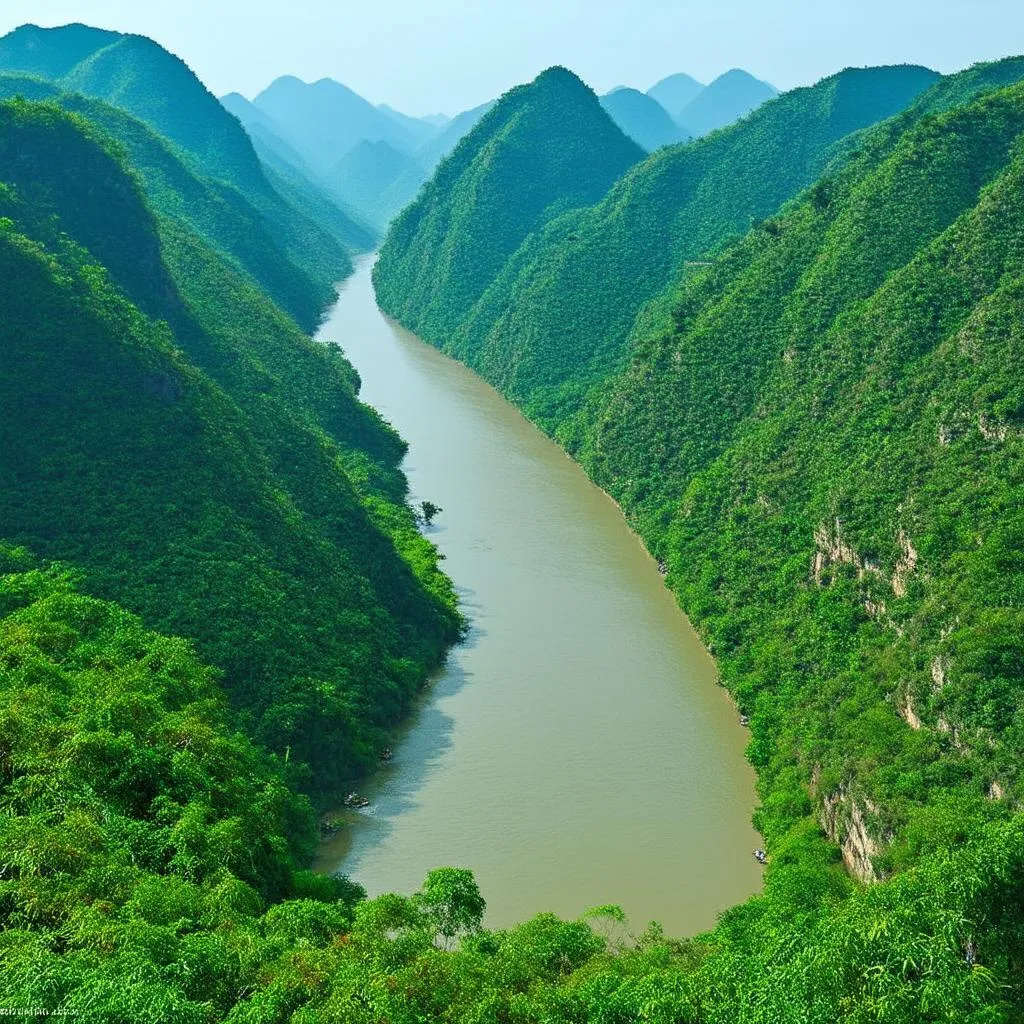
column 372, row 160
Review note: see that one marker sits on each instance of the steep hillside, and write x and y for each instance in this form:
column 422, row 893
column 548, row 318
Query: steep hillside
column 216, row 212
column 545, row 148
column 137, row 76
column 152, row 857
column 675, row 92
column 728, row 98
column 558, row 315
column 821, row 435
column 213, row 472
column 823, row 441
column 377, row 180
column 643, row 119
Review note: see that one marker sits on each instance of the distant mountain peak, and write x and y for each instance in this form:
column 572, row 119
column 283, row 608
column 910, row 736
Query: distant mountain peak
column 675, row 92
column 642, row 118
column 732, row 95
column 735, row 76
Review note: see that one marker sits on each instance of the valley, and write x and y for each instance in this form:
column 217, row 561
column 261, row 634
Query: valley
column 581, row 708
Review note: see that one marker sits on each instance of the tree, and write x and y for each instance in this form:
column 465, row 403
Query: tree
column 451, row 901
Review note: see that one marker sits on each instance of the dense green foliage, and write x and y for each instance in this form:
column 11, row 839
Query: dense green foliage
column 151, row 870
column 820, row 434
column 214, row 470
column 141, row 79
column 543, row 149
column 218, row 213
column 821, row 439
column 557, row 317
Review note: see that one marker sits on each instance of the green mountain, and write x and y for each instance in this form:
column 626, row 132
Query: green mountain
column 216, row 212
column 545, row 148
column 173, row 434
column 642, row 118
column 557, row 318
column 378, row 180
column 140, row 78
column 728, row 98
column 810, row 422
column 675, row 92
column 820, row 434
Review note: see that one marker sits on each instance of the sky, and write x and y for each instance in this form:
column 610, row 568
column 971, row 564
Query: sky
column 447, row 55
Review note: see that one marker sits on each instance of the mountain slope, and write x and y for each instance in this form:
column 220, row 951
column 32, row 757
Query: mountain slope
column 208, row 466
column 544, row 148
column 558, row 316
column 675, row 92
column 642, row 118
column 378, row 180
column 142, row 79
column 828, row 425
column 726, row 99
column 217, row 212
column 292, row 176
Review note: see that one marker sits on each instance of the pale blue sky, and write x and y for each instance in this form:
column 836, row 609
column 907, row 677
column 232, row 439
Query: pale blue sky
column 446, row 55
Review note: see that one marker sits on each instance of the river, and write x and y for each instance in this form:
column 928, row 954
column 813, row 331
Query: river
column 576, row 750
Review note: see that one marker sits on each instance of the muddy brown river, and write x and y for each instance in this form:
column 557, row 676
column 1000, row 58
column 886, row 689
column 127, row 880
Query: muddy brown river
column 576, row 750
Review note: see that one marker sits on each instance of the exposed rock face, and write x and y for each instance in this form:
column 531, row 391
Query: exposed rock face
column 939, row 667
column 905, row 707
column 831, row 549
column 905, row 565
column 992, row 430
column 844, row 823
column 996, row 791
column 943, row 725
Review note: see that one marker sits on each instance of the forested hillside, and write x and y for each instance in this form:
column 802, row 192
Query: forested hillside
column 138, row 77
column 555, row 318
column 826, row 425
column 817, row 428
column 543, row 149
column 171, row 433
column 215, row 600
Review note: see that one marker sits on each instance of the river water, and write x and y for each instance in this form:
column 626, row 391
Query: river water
column 576, row 750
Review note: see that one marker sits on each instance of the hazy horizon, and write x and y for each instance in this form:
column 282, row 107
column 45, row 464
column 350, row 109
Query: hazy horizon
column 453, row 54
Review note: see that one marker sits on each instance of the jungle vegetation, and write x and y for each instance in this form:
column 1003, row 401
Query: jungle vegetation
column 810, row 409
column 215, row 598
